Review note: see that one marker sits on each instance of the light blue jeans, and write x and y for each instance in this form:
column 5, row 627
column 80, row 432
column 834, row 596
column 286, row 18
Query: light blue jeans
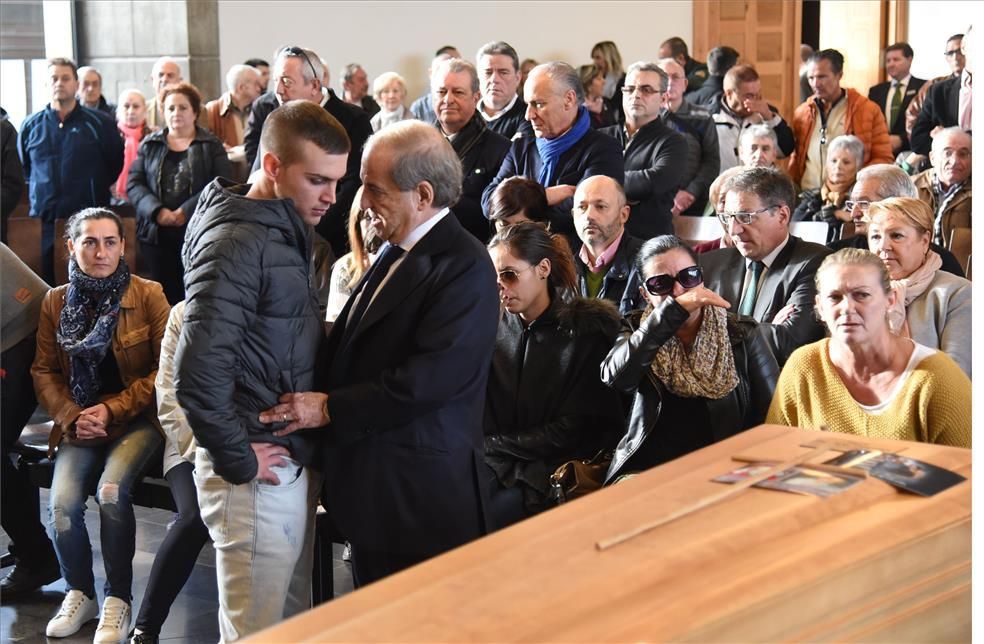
column 117, row 466
column 264, row 544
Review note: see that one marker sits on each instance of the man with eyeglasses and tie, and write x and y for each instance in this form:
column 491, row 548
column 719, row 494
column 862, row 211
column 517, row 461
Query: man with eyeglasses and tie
column 655, row 155
column 895, row 94
column 297, row 75
column 955, row 60
column 876, row 183
column 769, row 274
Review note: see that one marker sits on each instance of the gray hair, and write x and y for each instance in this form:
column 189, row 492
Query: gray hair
column 350, row 71
column 771, row 186
column 85, row 69
column 563, row 75
column 852, row 144
column 759, row 131
column 236, row 73
column 892, row 181
column 160, row 63
column 645, row 66
column 937, row 140
column 499, row 48
column 314, row 71
column 456, row 66
column 420, row 153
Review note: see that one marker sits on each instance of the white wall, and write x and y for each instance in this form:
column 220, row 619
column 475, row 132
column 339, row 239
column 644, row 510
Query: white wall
column 931, row 22
column 402, row 36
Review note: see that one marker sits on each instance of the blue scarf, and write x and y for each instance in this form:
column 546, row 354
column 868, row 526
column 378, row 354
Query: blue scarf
column 551, row 149
column 86, row 326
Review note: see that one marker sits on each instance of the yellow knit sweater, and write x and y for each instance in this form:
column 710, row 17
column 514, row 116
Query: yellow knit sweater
column 932, row 405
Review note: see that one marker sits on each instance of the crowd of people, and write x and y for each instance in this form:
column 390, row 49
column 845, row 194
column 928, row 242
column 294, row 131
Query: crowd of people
column 509, row 295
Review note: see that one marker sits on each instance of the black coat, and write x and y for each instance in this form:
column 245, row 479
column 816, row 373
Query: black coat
column 251, row 325
column 512, row 121
column 594, row 154
column 546, row 403
column 708, row 95
column 655, row 162
column 481, row 152
column 621, row 283
column 941, row 107
column 12, row 173
column 404, row 450
column 628, row 369
column 788, row 281
column 704, row 158
column 812, row 208
column 355, row 121
column 208, row 160
column 879, row 94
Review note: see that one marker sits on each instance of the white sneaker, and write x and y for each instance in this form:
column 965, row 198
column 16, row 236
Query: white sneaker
column 76, row 609
column 114, row 625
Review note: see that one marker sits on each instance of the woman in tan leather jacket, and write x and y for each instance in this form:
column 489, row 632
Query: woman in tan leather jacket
column 99, row 340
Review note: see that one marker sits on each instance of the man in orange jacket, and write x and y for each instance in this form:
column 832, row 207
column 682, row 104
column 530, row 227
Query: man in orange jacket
column 829, row 113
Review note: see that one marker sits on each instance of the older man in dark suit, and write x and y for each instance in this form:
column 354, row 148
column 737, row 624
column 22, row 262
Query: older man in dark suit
column 405, row 367
column 768, row 275
column 454, row 90
column 895, row 94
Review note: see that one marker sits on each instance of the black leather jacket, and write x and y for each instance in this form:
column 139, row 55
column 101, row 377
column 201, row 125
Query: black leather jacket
column 627, row 369
column 545, row 402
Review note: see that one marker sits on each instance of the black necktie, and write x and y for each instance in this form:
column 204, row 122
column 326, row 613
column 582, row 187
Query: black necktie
column 370, row 283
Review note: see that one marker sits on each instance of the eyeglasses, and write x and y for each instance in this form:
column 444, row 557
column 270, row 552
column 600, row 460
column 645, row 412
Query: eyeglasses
column 862, row 205
column 663, row 284
column 510, row 277
column 645, row 90
column 744, row 218
column 300, row 53
column 951, row 53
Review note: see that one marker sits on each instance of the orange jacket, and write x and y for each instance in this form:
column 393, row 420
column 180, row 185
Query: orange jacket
column 864, row 119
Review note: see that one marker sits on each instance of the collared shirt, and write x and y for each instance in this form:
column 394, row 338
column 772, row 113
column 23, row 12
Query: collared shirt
column 603, row 260
column 500, row 113
column 406, row 244
column 896, row 86
column 768, row 260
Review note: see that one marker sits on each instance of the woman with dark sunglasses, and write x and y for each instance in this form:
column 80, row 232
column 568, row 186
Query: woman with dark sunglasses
column 545, row 403
column 698, row 374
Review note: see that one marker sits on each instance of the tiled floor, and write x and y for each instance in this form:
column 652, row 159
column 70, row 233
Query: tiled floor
column 193, row 615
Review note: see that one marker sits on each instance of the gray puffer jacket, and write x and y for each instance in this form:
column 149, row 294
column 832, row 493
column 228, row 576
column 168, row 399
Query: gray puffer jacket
column 251, row 326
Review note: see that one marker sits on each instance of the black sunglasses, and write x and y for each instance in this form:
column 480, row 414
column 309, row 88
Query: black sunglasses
column 663, row 284
column 297, row 51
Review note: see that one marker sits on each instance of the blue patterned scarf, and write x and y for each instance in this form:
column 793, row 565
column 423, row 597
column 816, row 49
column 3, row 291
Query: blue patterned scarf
column 551, row 149
column 86, row 326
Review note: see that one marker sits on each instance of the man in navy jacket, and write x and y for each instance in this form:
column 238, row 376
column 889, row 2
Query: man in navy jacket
column 71, row 156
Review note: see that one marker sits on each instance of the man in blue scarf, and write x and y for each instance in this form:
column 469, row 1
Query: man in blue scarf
column 564, row 150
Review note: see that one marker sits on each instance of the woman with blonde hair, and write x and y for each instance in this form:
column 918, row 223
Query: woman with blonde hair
column 390, row 91
column 608, row 60
column 866, row 379
column 932, row 307
column 348, row 270
column 131, row 120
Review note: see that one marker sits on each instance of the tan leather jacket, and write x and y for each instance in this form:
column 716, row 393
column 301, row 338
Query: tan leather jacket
column 956, row 218
column 136, row 347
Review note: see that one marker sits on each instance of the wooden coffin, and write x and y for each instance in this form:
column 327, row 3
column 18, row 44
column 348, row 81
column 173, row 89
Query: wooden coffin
column 869, row 564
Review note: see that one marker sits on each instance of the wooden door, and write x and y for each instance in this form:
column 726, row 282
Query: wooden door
column 767, row 35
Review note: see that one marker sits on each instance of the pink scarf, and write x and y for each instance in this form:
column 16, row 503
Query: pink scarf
column 131, row 145
column 908, row 289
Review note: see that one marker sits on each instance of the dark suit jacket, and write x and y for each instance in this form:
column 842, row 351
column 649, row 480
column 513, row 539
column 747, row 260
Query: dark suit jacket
column 355, row 120
column 941, row 107
column 404, row 451
column 481, row 152
column 512, row 121
column 594, row 154
column 879, row 94
column 788, row 281
column 655, row 162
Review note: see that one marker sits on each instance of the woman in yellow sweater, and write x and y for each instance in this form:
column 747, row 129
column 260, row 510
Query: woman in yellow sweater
column 865, row 379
